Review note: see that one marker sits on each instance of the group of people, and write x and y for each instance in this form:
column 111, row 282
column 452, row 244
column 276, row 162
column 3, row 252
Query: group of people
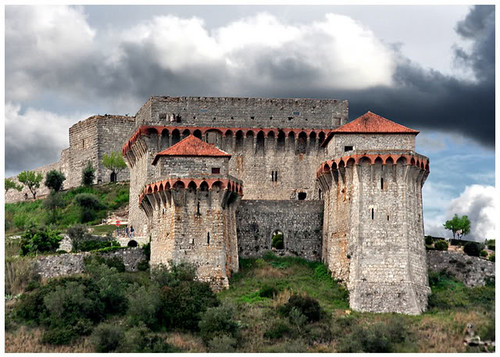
column 129, row 231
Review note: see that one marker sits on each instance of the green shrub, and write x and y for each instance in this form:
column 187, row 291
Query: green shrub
column 107, row 337
column 164, row 276
column 472, row 249
column 141, row 340
column 89, row 205
column 306, row 305
column 143, row 265
column 378, row 338
column 429, row 240
column 491, row 258
column 218, row 321
column 111, row 262
column 54, row 180
column 194, row 297
column 147, row 251
column 59, row 336
column 491, row 244
column 268, row 291
column 278, row 329
column 483, row 253
column 88, row 174
column 39, row 240
column 95, row 244
column 143, row 305
column 222, row 343
column 441, row 245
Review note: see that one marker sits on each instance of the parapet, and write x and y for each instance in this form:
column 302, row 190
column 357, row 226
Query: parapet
column 230, row 112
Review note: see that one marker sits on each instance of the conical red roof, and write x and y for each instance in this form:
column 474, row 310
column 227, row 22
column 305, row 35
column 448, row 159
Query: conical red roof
column 191, row 146
column 373, row 123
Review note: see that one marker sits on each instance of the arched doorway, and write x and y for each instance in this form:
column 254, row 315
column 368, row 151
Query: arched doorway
column 132, row 244
column 278, row 240
column 113, row 177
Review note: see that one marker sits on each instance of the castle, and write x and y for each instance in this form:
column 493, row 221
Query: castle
column 213, row 179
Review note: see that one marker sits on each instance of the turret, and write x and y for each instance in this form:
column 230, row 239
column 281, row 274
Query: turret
column 373, row 235
column 191, row 205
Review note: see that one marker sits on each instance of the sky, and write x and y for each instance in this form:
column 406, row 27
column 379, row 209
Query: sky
column 431, row 68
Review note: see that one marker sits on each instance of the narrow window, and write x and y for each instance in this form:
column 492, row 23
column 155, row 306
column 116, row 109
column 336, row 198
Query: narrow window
column 83, row 143
column 320, row 194
column 373, row 213
column 274, row 176
column 198, row 208
column 348, row 148
column 208, row 238
column 216, row 170
column 381, row 183
column 387, row 217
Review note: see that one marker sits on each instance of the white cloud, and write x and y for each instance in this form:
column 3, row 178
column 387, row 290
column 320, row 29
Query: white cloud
column 34, row 137
column 42, row 43
column 480, row 204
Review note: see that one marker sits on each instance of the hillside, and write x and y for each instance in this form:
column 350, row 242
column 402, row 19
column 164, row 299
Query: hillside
column 274, row 304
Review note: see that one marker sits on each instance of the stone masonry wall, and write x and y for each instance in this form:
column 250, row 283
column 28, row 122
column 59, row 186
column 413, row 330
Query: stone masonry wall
column 52, row 266
column 197, row 227
column 473, row 271
column 244, row 112
column 385, row 142
column 300, row 221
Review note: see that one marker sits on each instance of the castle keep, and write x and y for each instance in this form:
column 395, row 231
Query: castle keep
column 212, row 179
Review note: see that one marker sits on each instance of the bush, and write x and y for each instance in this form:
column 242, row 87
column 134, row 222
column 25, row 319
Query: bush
column 306, row 305
column 483, row 253
column 107, row 337
column 222, row 343
column 88, row 174
column 194, row 297
column 147, row 251
column 143, row 265
column 111, row 262
column 441, row 245
column 163, row 276
column 54, row 180
column 143, row 305
column 89, row 205
column 141, row 340
column 59, row 336
column 491, row 258
column 268, row 291
column 491, row 244
column 377, row 338
column 429, row 240
column 218, row 321
column 39, row 240
column 78, row 233
column 90, row 245
column 278, row 329
column 472, row 249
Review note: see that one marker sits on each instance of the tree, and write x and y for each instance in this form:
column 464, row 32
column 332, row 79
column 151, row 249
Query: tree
column 39, row 240
column 11, row 184
column 54, row 180
column 113, row 162
column 30, row 179
column 460, row 226
column 88, row 174
column 89, row 205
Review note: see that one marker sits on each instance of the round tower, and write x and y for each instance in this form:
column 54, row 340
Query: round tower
column 373, row 236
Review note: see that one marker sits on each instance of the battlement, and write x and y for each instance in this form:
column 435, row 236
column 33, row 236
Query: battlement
column 228, row 112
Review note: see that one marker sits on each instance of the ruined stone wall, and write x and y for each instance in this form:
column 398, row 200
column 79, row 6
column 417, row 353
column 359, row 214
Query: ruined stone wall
column 244, row 112
column 360, row 142
column 300, row 221
column 89, row 140
column 197, row 226
column 52, row 266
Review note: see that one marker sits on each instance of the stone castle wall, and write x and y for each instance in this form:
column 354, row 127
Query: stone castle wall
column 300, row 221
column 89, row 140
column 243, row 112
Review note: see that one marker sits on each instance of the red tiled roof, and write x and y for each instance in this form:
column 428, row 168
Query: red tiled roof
column 191, row 146
column 373, row 123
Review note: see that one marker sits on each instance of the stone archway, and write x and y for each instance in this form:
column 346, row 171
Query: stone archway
column 278, row 240
column 132, row 244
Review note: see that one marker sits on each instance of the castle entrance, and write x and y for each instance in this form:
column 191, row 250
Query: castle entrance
column 277, row 240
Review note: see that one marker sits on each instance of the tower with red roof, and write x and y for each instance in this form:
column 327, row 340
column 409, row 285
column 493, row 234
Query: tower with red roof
column 373, row 220
column 191, row 203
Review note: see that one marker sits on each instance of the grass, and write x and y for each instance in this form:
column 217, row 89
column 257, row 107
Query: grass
column 18, row 215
